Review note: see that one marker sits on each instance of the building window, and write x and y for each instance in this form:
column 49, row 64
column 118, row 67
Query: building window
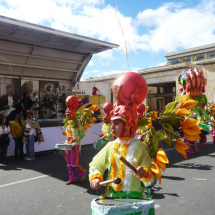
column 212, row 55
column 187, row 60
column 200, row 57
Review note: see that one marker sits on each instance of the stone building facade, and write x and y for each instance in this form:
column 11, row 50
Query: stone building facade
column 163, row 80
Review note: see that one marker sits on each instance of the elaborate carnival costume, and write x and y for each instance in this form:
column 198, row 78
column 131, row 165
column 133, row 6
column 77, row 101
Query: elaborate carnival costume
column 106, row 128
column 212, row 128
column 140, row 114
column 76, row 127
column 192, row 81
column 130, row 89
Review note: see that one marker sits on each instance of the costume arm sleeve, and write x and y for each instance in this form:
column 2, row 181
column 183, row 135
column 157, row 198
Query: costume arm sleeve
column 12, row 130
column 99, row 163
column 109, row 133
column 81, row 133
column 145, row 162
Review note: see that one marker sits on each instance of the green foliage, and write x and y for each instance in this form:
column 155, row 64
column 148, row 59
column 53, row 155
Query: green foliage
column 153, row 140
column 170, row 108
column 172, row 119
column 168, row 129
column 142, row 123
column 177, row 99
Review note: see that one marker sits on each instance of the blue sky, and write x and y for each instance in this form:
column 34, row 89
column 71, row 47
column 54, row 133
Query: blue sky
column 152, row 28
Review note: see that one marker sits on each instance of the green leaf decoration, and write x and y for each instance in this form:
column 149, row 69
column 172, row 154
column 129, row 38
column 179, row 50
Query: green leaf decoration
column 204, row 99
column 153, row 140
column 168, row 129
column 171, row 115
column 207, row 118
column 177, row 99
column 142, row 123
column 170, row 108
column 171, row 120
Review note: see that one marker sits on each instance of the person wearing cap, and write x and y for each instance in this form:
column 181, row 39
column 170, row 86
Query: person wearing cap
column 32, row 134
column 17, row 131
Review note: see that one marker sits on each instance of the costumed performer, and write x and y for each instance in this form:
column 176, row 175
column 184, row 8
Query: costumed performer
column 106, row 128
column 141, row 114
column 130, row 89
column 212, row 127
column 75, row 131
column 192, row 81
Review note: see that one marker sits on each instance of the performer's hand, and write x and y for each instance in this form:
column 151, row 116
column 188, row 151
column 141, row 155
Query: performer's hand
column 194, row 86
column 73, row 140
column 94, row 184
column 140, row 173
column 63, row 133
column 100, row 135
column 179, row 84
column 8, row 133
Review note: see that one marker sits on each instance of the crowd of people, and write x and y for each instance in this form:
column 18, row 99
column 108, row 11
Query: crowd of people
column 23, row 132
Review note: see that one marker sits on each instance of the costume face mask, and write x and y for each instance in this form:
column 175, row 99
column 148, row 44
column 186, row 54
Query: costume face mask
column 129, row 89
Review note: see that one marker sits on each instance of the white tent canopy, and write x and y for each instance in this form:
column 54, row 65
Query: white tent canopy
column 34, row 51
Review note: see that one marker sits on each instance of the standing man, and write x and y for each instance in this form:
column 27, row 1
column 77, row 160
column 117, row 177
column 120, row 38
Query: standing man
column 17, row 130
column 32, row 134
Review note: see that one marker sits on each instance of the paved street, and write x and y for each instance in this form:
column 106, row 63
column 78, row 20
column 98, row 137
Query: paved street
column 38, row 187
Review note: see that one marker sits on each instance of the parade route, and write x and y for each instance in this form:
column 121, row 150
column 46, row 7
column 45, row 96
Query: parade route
column 38, row 187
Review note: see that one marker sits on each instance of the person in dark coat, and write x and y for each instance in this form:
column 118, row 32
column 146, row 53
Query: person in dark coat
column 4, row 138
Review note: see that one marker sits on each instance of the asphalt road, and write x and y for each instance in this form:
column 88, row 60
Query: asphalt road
column 38, row 187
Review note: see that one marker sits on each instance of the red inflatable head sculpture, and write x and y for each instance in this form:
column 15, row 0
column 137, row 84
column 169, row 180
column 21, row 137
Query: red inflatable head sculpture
column 72, row 103
column 130, row 90
column 108, row 107
column 140, row 110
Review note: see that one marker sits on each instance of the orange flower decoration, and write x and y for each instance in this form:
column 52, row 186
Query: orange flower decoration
column 86, row 126
column 156, row 170
column 154, row 116
column 94, row 108
column 187, row 103
column 92, row 120
column 183, row 111
column 161, row 159
column 191, row 129
column 149, row 125
column 181, row 147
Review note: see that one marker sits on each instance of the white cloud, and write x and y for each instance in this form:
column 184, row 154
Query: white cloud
column 91, row 63
column 171, row 26
column 175, row 26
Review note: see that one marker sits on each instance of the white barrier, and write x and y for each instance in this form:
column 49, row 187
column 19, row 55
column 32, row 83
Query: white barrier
column 53, row 135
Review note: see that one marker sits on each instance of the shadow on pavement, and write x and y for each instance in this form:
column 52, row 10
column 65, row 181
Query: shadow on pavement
column 172, row 178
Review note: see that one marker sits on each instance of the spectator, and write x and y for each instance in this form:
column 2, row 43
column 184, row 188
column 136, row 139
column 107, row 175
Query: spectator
column 27, row 103
column 32, row 134
column 17, row 130
column 4, row 138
